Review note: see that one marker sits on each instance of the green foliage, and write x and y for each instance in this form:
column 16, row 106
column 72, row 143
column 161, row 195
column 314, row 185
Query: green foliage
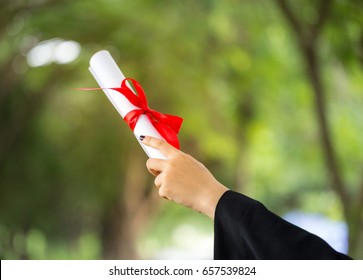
column 229, row 68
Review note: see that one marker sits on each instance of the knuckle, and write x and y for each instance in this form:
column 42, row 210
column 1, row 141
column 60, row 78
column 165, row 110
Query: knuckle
column 159, row 142
column 176, row 160
column 167, row 176
column 158, row 181
column 162, row 193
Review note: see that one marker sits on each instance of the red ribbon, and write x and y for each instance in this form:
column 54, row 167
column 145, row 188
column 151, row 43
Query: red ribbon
column 167, row 125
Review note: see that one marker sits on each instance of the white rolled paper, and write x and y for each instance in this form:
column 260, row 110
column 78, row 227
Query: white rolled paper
column 108, row 75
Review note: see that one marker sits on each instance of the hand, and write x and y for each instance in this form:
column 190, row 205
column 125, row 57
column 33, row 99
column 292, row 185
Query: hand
column 183, row 179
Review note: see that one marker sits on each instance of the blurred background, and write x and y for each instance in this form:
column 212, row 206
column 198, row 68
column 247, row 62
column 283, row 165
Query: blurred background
column 271, row 93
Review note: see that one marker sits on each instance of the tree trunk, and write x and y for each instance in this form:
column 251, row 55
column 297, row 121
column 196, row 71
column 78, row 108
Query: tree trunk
column 128, row 213
column 307, row 38
column 334, row 171
column 118, row 241
column 352, row 213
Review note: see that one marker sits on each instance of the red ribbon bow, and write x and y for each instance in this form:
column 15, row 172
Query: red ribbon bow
column 167, row 125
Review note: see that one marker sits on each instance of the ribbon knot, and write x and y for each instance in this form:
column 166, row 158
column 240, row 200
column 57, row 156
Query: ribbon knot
column 167, row 125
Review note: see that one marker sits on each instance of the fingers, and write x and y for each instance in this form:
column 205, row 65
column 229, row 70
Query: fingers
column 158, row 167
column 155, row 166
column 160, row 145
column 159, row 184
column 158, row 181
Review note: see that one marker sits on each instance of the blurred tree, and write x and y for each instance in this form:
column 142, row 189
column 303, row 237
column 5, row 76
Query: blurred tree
column 73, row 180
column 308, row 28
column 45, row 167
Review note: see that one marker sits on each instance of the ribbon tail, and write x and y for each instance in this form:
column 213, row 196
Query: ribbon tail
column 174, row 122
column 167, row 133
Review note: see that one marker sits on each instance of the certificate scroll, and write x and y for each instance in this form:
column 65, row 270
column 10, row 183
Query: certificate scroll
column 108, row 75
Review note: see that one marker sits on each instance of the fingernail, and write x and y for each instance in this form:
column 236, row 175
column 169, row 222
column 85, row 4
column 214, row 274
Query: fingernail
column 142, row 137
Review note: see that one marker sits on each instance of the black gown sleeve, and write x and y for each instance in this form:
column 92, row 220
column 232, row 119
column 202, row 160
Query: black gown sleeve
column 246, row 229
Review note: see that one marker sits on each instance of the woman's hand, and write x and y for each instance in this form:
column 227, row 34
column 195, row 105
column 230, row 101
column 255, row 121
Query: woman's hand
column 183, row 179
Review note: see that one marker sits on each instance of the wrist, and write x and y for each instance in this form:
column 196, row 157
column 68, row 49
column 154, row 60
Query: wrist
column 212, row 198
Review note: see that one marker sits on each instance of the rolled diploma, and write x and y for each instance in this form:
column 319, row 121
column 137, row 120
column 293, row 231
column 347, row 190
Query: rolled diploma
column 107, row 74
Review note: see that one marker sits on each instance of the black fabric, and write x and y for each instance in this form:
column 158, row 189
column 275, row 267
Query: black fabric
column 245, row 229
